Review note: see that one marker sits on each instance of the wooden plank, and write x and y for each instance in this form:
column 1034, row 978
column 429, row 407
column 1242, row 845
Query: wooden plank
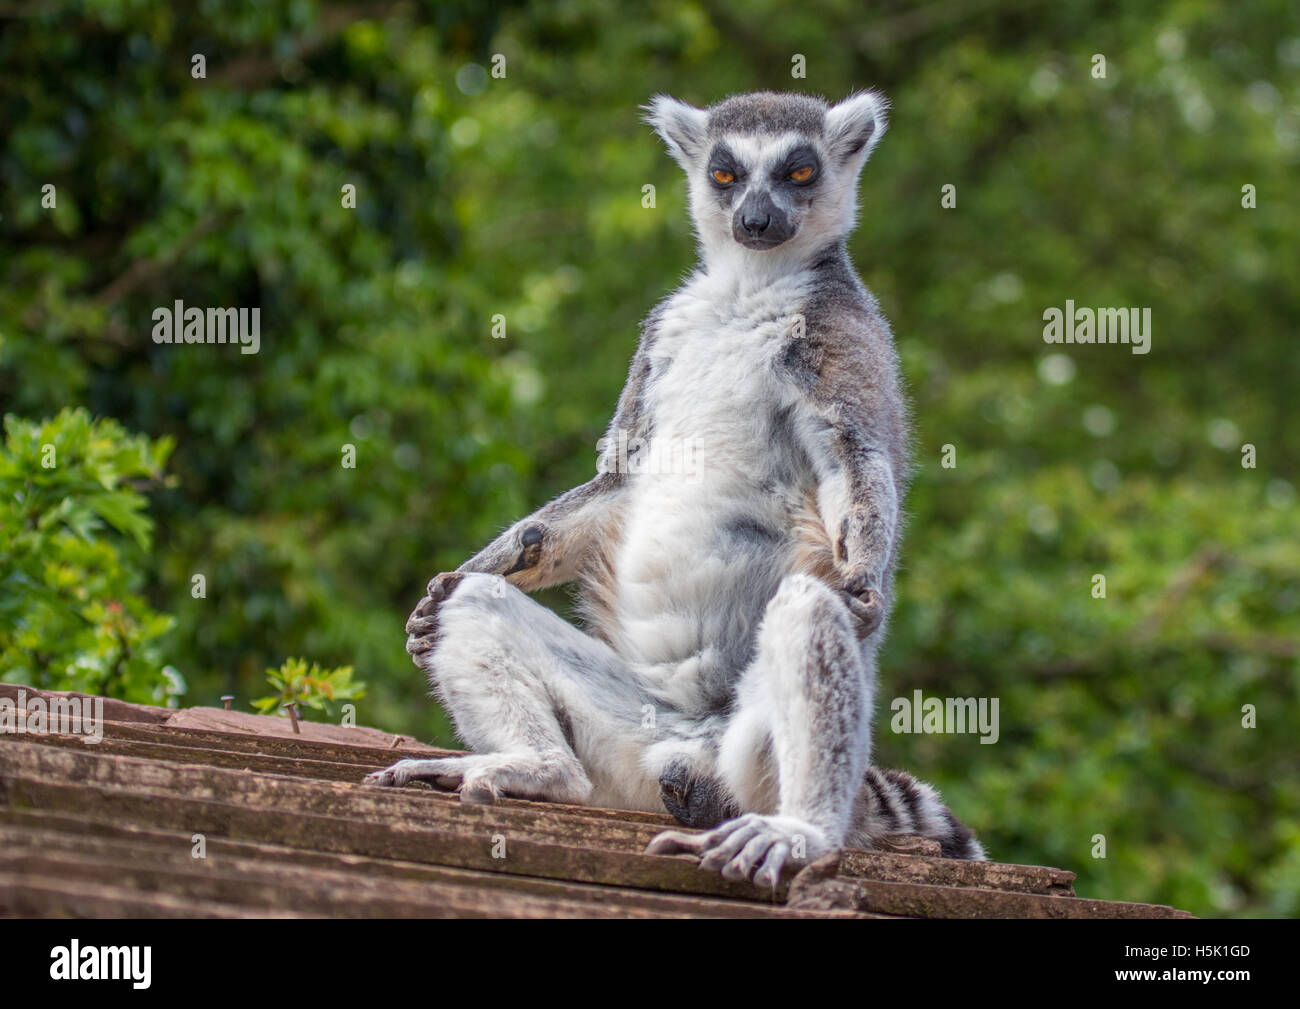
column 404, row 808
column 523, row 855
column 396, row 797
column 34, row 763
column 360, row 752
column 298, row 767
column 893, row 868
column 553, row 823
column 264, row 875
column 818, row 889
column 120, row 710
column 270, row 725
column 287, row 746
column 28, row 896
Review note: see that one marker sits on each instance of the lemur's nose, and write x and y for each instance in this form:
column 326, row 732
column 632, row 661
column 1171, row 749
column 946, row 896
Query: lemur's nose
column 755, row 226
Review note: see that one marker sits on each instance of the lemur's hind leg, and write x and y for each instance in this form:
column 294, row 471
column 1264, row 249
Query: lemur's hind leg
column 799, row 742
column 550, row 712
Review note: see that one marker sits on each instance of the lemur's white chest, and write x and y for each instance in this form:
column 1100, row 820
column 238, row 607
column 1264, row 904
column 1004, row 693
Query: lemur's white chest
column 694, row 529
column 714, row 385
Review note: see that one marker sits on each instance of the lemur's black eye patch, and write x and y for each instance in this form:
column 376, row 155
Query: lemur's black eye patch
column 723, row 167
column 801, row 166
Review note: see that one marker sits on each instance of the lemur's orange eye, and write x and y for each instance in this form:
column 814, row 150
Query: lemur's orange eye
column 723, row 176
column 802, row 174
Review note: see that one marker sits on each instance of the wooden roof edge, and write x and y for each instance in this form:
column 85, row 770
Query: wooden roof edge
column 903, row 877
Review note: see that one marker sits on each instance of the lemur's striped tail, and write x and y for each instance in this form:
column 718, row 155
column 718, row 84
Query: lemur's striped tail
column 893, row 802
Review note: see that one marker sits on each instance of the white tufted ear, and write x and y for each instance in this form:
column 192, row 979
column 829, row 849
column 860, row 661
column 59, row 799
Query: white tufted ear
column 681, row 126
column 855, row 125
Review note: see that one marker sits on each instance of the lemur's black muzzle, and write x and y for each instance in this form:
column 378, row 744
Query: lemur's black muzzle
column 759, row 223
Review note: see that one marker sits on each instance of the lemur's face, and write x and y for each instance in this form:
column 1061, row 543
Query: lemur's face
column 763, row 186
column 771, row 170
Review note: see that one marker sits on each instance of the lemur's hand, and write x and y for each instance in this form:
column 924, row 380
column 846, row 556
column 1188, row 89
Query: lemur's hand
column 865, row 603
column 422, row 625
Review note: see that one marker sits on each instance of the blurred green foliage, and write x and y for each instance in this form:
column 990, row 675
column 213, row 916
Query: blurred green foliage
column 73, row 539
column 522, row 196
column 316, row 688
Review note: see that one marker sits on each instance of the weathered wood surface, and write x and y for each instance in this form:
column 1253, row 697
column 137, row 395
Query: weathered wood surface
column 289, row 829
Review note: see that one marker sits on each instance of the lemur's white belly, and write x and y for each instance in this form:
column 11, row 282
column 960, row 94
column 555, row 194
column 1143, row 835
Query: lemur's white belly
column 705, row 533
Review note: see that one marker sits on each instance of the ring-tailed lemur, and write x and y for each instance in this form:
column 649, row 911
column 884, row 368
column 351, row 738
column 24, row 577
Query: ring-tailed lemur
column 729, row 668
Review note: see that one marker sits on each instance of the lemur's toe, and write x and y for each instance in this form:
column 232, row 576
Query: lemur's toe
column 443, row 585
column 445, row 772
column 674, row 842
column 753, row 847
column 422, row 635
column 479, row 791
column 422, row 621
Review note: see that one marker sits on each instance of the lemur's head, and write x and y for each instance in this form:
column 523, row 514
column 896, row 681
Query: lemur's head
column 771, row 169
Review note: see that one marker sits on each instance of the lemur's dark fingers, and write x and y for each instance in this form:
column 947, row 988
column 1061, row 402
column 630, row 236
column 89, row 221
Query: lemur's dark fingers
column 867, row 613
column 423, row 618
column 444, row 584
column 422, row 624
column 419, row 645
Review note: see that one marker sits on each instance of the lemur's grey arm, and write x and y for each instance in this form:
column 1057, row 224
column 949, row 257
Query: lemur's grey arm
column 855, row 444
column 553, row 544
column 550, row 545
column 858, row 502
column 858, row 499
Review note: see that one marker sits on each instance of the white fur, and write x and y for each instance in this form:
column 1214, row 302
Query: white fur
column 715, row 344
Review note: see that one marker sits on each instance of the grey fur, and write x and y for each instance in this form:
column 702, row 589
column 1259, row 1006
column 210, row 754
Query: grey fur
column 768, row 112
column 728, row 665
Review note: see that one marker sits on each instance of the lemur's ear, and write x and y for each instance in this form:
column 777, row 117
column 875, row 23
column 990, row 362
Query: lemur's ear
column 681, row 126
column 855, row 125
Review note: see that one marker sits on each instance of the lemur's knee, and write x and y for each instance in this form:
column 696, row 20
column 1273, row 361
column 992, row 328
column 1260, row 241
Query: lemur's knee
column 475, row 588
column 427, row 623
column 803, row 608
column 803, row 596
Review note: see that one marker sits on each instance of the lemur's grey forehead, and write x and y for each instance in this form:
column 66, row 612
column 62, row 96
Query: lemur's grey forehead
column 768, row 112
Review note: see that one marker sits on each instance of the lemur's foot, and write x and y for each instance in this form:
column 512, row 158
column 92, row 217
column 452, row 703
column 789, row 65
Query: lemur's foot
column 698, row 802
column 422, row 624
column 751, row 847
column 441, row 771
column 486, row 777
